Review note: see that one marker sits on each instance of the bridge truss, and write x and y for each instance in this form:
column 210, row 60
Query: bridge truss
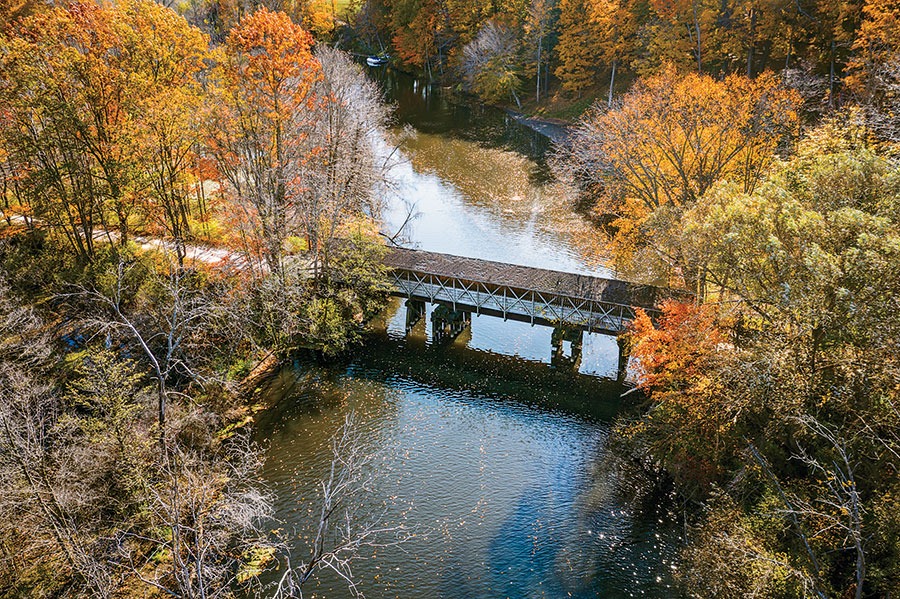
column 525, row 305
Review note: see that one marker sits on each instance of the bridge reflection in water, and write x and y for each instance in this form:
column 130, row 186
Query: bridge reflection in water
column 570, row 303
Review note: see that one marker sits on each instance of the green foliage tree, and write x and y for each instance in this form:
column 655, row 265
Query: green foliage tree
column 806, row 271
column 490, row 63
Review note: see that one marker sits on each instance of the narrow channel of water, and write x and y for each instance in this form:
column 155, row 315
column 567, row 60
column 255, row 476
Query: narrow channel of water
column 497, row 460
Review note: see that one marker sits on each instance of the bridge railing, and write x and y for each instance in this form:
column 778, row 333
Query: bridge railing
column 532, row 305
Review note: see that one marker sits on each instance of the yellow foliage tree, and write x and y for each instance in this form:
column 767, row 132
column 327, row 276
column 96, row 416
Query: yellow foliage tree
column 671, row 138
column 579, row 46
column 874, row 69
column 319, row 16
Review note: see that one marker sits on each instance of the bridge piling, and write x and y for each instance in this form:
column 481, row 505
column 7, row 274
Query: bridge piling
column 623, row 340
column 575, row 337
column 448, row 323
column 415, row 310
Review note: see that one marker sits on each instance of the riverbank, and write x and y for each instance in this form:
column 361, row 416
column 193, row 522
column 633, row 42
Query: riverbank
column 557, row 130
column 554, row 128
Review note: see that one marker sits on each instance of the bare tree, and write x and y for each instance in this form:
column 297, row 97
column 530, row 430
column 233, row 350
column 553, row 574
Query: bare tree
column 41, row 492
column 839, row 507
column 882, row 103
column 345, row 527
column 833, row 506
column 213, row 528
column 179, row 312
column 341, row 182
column 812, row 87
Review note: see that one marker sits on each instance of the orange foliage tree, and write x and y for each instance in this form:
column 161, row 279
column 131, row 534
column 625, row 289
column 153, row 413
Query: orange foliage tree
column 670, row 139
column 86, row 88
column 690, row 426
column 67, row 117
column 419, row 29
column 258, row 122
column 170, row 64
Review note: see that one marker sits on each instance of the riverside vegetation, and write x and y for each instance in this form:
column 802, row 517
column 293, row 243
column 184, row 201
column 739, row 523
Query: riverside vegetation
column 771, row 402
column 124, row 463
column 559, row 55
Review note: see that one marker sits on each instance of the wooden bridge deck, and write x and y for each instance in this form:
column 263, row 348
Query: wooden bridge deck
column 535, row 295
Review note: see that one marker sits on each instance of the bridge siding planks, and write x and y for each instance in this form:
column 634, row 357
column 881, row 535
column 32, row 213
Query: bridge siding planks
column 492, row 273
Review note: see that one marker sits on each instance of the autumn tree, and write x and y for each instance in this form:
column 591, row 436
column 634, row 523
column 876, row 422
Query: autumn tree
column 48, row 91
column 616, row 26
column 832, row 30
column 91, row 123
column 214, row 17
column 674, row 34
column 421, row 33
column 680, row 368
column 167, row 125
column 578, row 49
column 489, row 63
column 16, row 9
column 538, row 27
column 258, row 120
column 793, row 365
column 874, row 70
column 672, row 137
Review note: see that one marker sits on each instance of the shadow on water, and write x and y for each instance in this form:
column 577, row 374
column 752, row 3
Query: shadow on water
column 478, row 376
column 501, row 461
column 432, row 109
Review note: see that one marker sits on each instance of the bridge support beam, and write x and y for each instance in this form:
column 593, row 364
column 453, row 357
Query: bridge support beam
column 448, row 323
column 624, row 342
column 575, row 337
column 415, row 310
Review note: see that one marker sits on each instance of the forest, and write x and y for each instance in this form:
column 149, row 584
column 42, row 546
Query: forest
column 191, row 193
column 534, row 51
column 176, row 214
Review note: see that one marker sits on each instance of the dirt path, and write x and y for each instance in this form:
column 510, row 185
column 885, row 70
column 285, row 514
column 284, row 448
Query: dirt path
column 210, row 255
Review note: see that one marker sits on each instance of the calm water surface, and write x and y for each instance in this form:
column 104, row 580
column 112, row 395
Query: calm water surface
column 498, row 461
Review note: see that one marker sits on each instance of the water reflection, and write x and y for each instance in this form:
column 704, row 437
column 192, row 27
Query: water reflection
column 504, row 471
column 499, row 461
column 491, row 334
column 478, row 183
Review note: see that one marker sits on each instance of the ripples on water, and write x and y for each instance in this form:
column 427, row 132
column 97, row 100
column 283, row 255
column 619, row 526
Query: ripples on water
column 499, row 462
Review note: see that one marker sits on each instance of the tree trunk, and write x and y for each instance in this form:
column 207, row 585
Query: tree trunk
column 697, row 30
column 750, row 44
column 612, row 82
column 537, row 94
column 831, row 79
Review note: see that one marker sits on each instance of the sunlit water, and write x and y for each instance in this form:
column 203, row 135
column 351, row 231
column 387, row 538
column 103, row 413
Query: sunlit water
column 478, row 184
column 497, row 461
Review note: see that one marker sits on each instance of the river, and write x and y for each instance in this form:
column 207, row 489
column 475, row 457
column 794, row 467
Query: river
column 497, row 462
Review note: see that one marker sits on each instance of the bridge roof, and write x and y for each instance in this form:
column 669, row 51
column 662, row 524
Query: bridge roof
column 501, row 274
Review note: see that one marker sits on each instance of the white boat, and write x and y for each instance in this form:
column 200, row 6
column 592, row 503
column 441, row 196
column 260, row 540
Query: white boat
column 376, row 61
